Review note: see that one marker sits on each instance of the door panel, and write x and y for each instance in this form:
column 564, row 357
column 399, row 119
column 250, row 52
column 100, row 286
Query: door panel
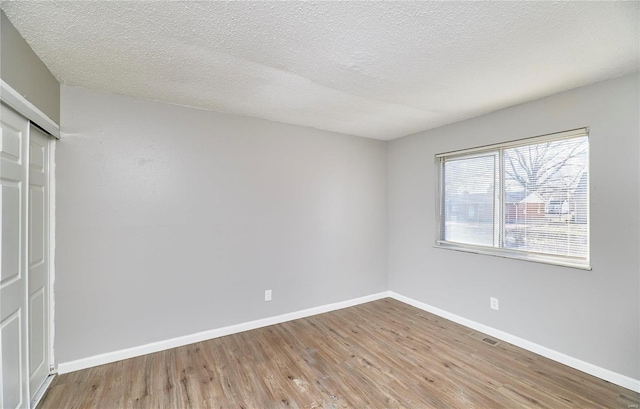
column 11, row 204
column 38, row 273
column 13, row 369
column 37, row 328
column 13, row 284
column 36, row 226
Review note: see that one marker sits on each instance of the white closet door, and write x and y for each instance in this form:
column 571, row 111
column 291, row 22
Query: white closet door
column 38, row 258
column 13, row 278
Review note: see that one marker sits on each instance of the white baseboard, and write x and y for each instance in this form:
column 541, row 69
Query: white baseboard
column 114, row 356
column 607, row 375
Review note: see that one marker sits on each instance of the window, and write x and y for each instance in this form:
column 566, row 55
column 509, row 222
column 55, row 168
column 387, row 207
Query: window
column 527, row 199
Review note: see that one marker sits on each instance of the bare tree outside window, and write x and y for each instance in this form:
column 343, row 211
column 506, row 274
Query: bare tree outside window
column 546, row 200
column 548, row 166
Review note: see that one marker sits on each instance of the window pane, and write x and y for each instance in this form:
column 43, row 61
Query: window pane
column 469, row 200
column 545, row 204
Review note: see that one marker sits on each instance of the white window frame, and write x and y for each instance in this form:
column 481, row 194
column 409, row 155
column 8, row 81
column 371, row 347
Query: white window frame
column 560, row 260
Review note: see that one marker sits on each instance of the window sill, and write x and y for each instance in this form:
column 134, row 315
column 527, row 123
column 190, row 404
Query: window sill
column 517, row 255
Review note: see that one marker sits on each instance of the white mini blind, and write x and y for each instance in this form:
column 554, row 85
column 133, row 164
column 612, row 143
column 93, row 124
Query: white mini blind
column 524, row 199
column 470, row 200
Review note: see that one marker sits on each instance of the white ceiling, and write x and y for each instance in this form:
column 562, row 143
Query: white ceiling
column 375, row 69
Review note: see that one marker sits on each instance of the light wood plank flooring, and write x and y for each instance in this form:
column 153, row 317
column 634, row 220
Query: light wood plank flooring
column 383, row 354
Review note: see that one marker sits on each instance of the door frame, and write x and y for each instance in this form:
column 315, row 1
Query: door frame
column 53, row 368
column 16, row 101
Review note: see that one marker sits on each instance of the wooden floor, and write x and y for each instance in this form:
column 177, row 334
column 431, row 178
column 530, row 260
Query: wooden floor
column 383, row 354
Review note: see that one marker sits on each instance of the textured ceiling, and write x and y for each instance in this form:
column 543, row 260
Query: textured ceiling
column 380, row 70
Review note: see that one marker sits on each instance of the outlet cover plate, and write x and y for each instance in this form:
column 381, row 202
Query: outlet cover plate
column 493, row 303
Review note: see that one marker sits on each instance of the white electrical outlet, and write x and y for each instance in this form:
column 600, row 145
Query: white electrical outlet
column 267, row 295
column 493, row 303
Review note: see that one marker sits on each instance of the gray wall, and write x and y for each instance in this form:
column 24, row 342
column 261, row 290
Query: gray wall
column 24, row 72
column 590, row 315
column 172, row 220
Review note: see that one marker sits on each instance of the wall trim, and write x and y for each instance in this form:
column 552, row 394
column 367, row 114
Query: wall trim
column 88, row 362
column 18, row 102
column 591, row 369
